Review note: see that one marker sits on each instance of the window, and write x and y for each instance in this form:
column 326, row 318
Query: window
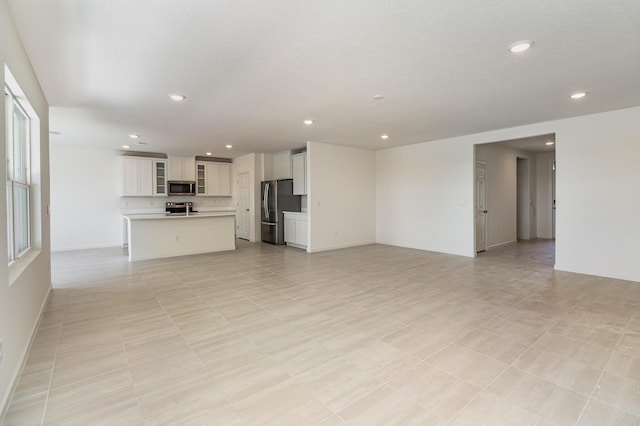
column 18, row 177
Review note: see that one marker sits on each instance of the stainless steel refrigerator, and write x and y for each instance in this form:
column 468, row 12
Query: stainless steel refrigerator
column 277, row 197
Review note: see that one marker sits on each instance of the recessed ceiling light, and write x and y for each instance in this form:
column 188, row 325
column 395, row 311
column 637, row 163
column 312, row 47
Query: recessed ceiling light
column 378, row 97
column 308, row 122
column 208, row 153
column 384, row 136
column 178, row 98
column 126, row 146
column 229, row 146
column 578, row 95
column 549, row 143
column 134, row 136
column 520, row 46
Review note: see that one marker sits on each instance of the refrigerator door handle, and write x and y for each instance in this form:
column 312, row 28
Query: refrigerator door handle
column 264, row 201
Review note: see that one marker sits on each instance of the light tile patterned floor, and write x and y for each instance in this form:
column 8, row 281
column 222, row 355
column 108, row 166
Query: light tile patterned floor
column 362, row 336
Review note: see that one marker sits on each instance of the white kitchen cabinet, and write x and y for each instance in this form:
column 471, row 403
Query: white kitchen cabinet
column 182, row 168
column 160, row 178
column 299, row 172
column 295, row 229
column 281, row 165
column 137, row 177
column 213, row 179
column 224, row 179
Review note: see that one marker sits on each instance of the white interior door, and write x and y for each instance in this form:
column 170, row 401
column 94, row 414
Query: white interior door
column 481, row 206
column 244, row 205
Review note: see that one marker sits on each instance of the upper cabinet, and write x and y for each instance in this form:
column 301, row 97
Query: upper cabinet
column 299, row 172
column 281, row 165
column 137, row 177
column 182, row 168
column 160, row 177
column 144, row 177
column 213, row 179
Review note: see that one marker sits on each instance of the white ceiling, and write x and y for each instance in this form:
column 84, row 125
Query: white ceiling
column 253, row 70
column 532, row 144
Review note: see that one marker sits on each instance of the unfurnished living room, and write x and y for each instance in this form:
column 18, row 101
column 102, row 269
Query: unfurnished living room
column 320, row 213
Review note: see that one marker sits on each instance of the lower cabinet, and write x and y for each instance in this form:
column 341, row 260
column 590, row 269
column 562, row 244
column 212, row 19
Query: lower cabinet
column 295, row 229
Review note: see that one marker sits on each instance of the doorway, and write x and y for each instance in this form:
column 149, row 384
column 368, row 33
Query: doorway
column 244, row 206
column 481, row 209
column 519, row 192
column 523, row 200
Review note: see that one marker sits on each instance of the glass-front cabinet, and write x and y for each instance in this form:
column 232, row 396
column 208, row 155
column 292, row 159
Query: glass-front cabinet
column 201, row 178
column 160, row 177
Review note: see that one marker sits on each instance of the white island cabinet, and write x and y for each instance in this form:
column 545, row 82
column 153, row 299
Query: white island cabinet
column 153, row 236
column 295, row 229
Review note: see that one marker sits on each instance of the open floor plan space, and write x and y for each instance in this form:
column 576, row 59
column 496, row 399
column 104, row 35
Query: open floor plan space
column 361, row 336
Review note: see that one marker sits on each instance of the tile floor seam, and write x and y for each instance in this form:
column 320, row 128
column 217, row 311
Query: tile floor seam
column 487, row 388
column 602, row 373
column 53, row 366
column 265, row 272
column 430, row 409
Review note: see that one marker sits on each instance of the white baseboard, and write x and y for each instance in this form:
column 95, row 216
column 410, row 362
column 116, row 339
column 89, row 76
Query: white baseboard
column 501, row 244
column 338, row 247
column 23, row 359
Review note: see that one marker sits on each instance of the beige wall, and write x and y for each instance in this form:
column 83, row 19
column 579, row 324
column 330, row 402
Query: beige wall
column 341, row 196
column 425, row 192
column 21, row 301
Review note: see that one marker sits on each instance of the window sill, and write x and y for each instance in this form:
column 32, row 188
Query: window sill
column 18, row 267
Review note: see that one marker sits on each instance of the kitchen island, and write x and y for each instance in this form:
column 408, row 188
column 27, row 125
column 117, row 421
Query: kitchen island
column 158, row 235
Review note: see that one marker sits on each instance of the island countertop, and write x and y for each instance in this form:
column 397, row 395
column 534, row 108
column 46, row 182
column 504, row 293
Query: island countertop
column 145, row 216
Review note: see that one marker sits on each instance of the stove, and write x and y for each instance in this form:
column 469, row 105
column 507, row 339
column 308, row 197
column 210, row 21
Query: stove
column 179, row 208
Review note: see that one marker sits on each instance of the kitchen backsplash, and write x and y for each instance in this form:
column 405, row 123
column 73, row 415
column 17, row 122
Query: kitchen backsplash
column 157, row 204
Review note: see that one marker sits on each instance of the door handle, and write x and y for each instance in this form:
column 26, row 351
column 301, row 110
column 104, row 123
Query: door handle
column 485, row 211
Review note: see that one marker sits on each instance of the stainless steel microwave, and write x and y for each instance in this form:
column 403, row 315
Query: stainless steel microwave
column 182, row 187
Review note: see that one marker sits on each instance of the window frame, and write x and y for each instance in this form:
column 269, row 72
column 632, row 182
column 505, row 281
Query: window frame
column 18, row 160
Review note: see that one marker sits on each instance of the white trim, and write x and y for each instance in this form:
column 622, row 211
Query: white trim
column 13, row 382
column 500, row 244
column 338, row 247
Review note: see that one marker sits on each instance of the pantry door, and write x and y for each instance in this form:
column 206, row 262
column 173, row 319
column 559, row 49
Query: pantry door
column 481, row 206
column 244, row 206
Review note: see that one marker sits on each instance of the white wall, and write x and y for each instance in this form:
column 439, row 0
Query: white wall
column 598, row 194
column 21, row 301
column 85, row 198
column 341, row 196
column 425, row 192
column 424, row 196
column 544, row 196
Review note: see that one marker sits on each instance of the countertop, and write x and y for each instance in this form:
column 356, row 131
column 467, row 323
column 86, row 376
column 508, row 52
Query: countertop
column 304, row 213
column 148, row 216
